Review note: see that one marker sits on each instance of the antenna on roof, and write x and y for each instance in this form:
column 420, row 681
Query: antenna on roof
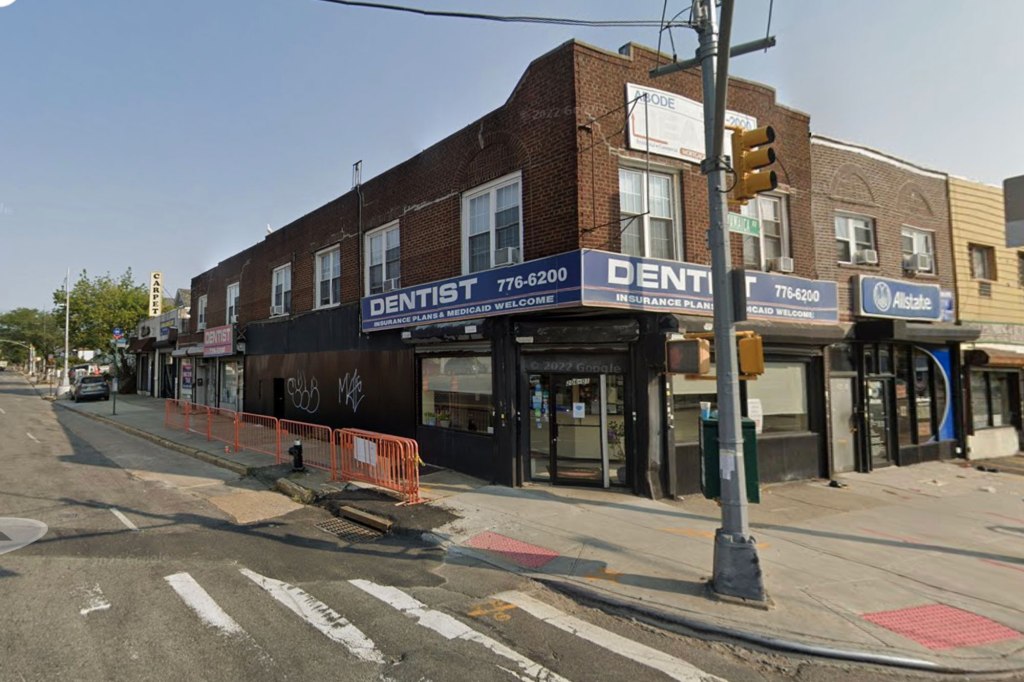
column 269, row 228
column 357, row 173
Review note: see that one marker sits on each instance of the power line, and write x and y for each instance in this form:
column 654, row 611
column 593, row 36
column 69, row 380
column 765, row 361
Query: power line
column 558, row 21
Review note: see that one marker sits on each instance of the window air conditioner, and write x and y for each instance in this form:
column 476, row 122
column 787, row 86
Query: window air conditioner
column 781, row 264
column 867, row 257
column 391, row 284
column 917, row 262
column 506, row 256
column 277, row 310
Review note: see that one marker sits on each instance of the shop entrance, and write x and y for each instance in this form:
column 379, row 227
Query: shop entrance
column 879, row 414
column 577, row 428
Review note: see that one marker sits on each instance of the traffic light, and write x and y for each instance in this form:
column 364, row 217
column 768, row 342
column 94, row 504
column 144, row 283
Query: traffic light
column 750, row 154
column 688, row 356
column 750, row 350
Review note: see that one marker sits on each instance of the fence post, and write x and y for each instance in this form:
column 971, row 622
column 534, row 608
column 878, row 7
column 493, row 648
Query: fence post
column 188, row 411
column 238, row 418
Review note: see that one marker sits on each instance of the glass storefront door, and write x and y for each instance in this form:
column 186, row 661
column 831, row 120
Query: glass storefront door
column 577, row 429
column 878, row 417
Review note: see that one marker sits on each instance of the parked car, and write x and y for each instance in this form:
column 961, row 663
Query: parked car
column 91, row 387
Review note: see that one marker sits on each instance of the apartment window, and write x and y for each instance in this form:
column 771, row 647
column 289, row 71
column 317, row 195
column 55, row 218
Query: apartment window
column 983, row 262
column 772, row 244
column 854, row 236
column 281, row 291
column 918, row 249
column 383, row 260
column 648, row 226
column 328, row 277
column 492, row 225
column 232, row 303
column 994, row 397
column 1020, row 268
column 201, row 315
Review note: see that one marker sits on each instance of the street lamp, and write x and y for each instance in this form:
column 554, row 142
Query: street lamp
column 65, row 385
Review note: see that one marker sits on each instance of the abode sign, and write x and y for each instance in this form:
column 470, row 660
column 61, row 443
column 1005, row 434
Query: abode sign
column 600, row 279
column 898, row 299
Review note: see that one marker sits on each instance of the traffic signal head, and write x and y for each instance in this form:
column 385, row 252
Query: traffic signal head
column 688, row 356
column 750, row 350
column 750, row 155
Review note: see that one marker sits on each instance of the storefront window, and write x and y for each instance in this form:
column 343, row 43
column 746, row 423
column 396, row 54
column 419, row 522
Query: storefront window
column 923, row 382
column 457, row 393
column 840, row 357
column 782, row 392
column 979, row 400
column 231, row 385
column 687, row 395
column 904, row 381
column 999, row 387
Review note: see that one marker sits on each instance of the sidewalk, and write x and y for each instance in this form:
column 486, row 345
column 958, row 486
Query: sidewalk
column 924, row 563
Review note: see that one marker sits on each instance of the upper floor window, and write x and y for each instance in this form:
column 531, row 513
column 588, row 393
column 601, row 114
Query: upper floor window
column 328, row 277
column 918, row 249
column 492, row 228
column 770, row 249
column 383, row 260
column 647, row 215
column 232, row 303
column 983, row 262
column 855, row 240
column 1020, row 268
column 201, row 315
column 281, row 290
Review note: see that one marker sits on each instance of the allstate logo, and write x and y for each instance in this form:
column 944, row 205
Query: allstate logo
column 882, row 296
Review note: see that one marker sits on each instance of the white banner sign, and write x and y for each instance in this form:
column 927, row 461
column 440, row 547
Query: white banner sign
column 366, row 451
column 672, row 125
column 156, row 293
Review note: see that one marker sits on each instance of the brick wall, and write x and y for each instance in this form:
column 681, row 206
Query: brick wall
column 601, row 95
column 854, row 179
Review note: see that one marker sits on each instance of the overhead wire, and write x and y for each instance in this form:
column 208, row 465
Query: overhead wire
column 510, row 19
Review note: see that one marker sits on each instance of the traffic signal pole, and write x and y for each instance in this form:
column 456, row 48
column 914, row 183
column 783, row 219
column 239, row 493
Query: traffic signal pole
column 737, row 568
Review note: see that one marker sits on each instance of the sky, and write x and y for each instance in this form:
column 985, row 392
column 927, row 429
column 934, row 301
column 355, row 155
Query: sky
column 167, row 134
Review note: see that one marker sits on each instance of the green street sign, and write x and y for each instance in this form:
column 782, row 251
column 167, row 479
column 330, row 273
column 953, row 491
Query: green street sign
column 744, row 225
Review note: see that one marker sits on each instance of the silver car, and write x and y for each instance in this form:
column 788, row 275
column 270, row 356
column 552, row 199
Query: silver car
column 92, row 388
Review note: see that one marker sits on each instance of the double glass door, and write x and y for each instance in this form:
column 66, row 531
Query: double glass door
column 879, row 417
column 578, row 429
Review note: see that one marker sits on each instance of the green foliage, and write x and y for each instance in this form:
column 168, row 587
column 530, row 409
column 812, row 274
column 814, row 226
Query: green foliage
column 100, row 304
column 33, row 327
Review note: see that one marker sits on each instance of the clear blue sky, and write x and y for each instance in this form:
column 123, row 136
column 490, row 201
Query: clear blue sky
column 166, row 134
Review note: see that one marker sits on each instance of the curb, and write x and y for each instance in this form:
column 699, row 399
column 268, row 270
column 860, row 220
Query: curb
column 659, row 617
column 202, row 455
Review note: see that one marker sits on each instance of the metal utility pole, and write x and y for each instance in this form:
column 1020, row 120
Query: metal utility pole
column 737, row 568
column 65, row 385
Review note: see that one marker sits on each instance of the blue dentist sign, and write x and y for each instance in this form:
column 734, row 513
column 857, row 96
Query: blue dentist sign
column 898, row 299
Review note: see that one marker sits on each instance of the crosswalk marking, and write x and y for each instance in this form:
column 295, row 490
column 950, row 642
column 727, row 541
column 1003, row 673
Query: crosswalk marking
column 124, row 519
column 202, row 603
column 451, row 628
column 675, row 668
column 322, row 617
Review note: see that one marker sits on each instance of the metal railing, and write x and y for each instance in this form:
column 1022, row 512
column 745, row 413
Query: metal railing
column 176, row 414
column 259, row 433
column 317, row 443
column 390, row 462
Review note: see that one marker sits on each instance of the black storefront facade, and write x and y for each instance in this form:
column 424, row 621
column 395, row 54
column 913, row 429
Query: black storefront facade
column 551, row 371
column 895, row 386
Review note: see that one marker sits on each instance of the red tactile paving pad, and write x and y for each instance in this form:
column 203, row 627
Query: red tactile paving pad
column 938, row 626
column 521, row 553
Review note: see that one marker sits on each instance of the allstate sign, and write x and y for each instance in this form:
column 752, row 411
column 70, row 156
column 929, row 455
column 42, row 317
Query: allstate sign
column 898, row 299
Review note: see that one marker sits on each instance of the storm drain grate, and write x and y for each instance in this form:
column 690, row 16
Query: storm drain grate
column 937, row 626
column 348, row 530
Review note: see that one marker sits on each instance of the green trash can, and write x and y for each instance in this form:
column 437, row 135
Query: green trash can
column 710, row 478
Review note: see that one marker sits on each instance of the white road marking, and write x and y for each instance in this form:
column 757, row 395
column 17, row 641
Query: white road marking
column 2, row 411
column 31, row 436
column 124, row 519
column 199, row 600
column 322, row 617
column 675, row 668
column 97, row 602
column 451, row 628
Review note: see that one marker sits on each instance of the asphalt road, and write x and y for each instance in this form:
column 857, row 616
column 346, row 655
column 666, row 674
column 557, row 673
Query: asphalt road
column 144, row 573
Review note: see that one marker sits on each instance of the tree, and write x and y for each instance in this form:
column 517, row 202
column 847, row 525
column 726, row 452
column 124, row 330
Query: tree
column 98, row 306
column 33, row 327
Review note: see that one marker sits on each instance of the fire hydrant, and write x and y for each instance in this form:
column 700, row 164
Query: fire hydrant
column 296, row 452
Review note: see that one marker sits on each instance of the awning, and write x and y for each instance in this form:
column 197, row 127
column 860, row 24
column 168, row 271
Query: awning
column 995, row 356
column 915, row 332
column 179, row 352
column 195, row 350
column 145, row 345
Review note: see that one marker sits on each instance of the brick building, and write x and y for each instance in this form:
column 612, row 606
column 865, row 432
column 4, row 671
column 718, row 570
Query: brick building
column 505, row 296
column 894, row 385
